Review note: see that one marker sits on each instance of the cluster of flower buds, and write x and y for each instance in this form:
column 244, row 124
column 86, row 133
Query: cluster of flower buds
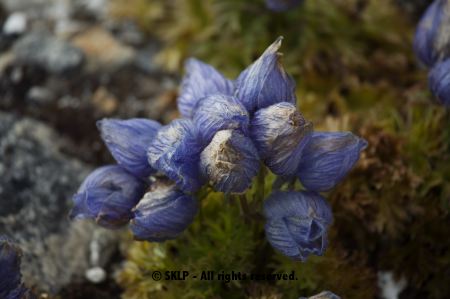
column 227, row 131
column 432, row 47
column 11, row 286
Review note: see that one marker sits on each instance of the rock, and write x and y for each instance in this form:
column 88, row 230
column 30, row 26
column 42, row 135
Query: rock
column 36, row 184
column 47, row 52
column 103, row 50
column 16, row 23
column 104, row 101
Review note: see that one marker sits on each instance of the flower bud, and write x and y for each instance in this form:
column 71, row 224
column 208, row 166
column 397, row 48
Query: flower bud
column 128, row 140
column 163, row 213
column 229, row 162
column 265, row 82
column 175, row 151
column 432, row 38
column 107, row 195
column 11, row 286
column 297, row 223
column 199, row 81
column 323, row 295
column 282, row 5
column 327, row 158
column 219, row 112
column 280, row 133
column 439, row 82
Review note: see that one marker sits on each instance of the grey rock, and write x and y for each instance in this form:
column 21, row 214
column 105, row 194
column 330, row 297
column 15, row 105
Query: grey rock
column 36, row 184
column 50, row 53
column 16, row 23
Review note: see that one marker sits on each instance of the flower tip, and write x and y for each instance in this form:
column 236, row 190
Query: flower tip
column 363, row 144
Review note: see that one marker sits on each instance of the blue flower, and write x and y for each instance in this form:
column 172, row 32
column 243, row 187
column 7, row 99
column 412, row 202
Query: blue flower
column 107, row 195
column 431, row 41
column 128, row 140
column 229, row 162
column 265, row 82
column 280, row 133
column 282, row 5
column 439, row 82
column 163, row 213
column 175, row 151
column 220, row 112
column 11, row 286
column 199, row 81
column 297, row 223
column 323, row 295
column 327, row 159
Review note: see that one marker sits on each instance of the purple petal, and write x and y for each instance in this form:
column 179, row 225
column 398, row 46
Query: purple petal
column 175, row 151
column 282, row 5
column 327, row 159
column 297, row 223
column 280, row 133
column 431, row 40
column 162, row 214
column 219, row 112
column 11, row 286
column 107, row 195
column 265, row 82
column 439, row 82
column 128, row 140
column 230, row 162
column 200, row 80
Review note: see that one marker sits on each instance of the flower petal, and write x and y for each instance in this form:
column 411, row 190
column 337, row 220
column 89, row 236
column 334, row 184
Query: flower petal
column 128, row 140
column 11, row 286
column 229, row 162
column 439, row 82
column 265, row 82
column 297, row 223
column 431, row 40
column 199, row 81
column 175, row 151
column 162, row 214
column 280, row 133
column 107, row 195
column 327, row 159
column 219, row 112
column 282, row 5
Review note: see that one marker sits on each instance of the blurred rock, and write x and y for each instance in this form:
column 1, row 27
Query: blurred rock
column 16, row 23
column 103, row 50
column 47, row 52
column 36, row 184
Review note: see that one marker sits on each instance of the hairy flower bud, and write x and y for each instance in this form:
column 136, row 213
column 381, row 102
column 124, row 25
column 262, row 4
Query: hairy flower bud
column 297, row 223
column 11, row 286
column 128, row 140
column 432, row 38
column 327, row 158
column 220, row 112
column 163, row 213
column 107, row 195
column 280, row 133
column 200, row 80
column 439, row 82
column 282, row 5
column 229, row 162
column 265, row 82
column 175, row 151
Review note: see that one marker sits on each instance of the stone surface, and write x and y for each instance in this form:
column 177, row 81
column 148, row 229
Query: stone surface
column 47, row 52
column 36, row 184
column 94, row 41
